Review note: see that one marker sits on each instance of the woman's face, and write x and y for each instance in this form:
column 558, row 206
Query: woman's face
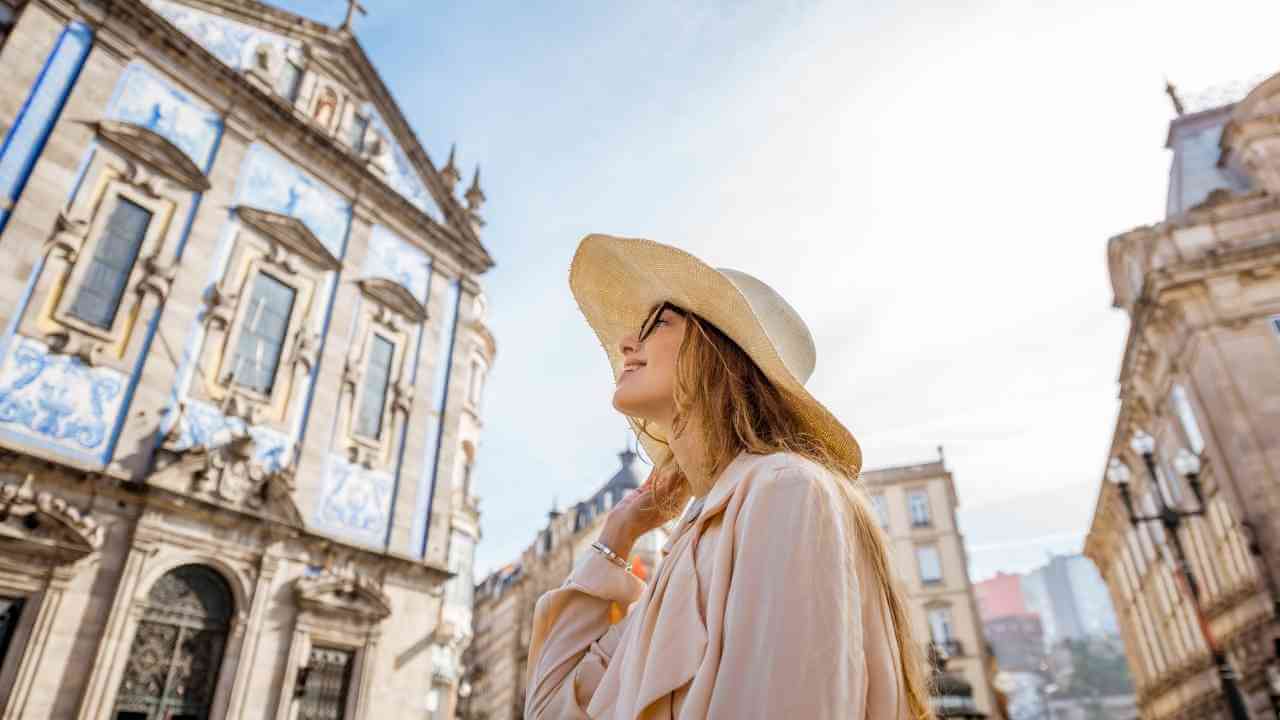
column 646, row 387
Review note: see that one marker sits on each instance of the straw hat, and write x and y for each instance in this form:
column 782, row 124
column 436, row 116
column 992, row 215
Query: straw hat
column 617, row 281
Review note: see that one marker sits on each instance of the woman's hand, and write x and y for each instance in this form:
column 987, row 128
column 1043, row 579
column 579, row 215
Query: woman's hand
column 636, row 514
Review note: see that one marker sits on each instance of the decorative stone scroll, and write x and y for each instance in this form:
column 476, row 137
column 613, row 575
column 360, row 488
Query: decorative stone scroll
column 349, row 594
column 48, row 524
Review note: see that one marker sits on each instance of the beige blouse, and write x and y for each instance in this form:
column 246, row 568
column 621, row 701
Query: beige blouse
column 752, row 614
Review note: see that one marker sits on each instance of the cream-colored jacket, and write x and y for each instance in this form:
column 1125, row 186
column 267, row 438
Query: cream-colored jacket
column 751, row 614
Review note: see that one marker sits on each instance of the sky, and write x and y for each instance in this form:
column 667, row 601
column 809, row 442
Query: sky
column 932, row 186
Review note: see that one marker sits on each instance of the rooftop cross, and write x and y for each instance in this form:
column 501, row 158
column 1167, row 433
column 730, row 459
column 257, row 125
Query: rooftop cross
column 353, row 6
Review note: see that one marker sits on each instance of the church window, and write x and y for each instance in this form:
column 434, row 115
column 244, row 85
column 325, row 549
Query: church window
column 176, row 654
column 359, row 127
column 373, row 400
column 327, row 684
column 10, row 613
column 104, row 282
column 290, row 80
column 262, row 334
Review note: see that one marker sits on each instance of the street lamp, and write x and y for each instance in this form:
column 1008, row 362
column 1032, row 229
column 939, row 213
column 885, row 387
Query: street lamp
column 1171, row 518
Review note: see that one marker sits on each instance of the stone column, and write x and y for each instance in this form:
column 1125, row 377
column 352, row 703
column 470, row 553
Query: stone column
column 247, row 660
column 113, row 647
column 33, row 659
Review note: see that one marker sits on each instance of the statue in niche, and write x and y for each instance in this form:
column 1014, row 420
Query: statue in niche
column 326, row 106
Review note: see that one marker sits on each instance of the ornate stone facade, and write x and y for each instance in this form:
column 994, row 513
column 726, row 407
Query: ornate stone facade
column 1202, row 292
column 504, row 601
column 242, row 361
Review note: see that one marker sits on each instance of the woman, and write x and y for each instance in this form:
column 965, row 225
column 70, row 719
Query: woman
column 776, row 597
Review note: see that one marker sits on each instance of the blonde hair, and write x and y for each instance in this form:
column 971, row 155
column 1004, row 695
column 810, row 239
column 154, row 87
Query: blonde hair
column 739, row 410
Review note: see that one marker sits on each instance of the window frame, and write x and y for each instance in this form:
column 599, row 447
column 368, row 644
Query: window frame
column 293, row 93
column 358, row 143
column 234, row 346
column 304, row 289
column 928, row 508
column 1188, row 419
column 161, row 210
column 929, row 582
column 371, row 337
column 880, row 505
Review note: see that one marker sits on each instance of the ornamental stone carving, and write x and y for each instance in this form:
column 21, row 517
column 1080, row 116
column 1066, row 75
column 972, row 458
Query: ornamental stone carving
column 48, row 524
column 346, row 594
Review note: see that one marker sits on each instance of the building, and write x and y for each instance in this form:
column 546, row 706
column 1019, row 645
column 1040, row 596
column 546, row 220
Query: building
column 240, row 372
column 1000, row 596
column 1017, row 641
column 504, row 601
column 1071, row 599
column 916, row 505
column 1202, row 295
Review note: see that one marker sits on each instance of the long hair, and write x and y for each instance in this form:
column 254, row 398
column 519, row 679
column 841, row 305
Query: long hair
column 739, row 410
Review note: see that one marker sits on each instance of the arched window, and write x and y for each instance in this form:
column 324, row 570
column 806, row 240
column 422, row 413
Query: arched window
column 177, row 652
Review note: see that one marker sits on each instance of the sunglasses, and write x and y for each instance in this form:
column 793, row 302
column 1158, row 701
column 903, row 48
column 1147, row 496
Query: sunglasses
column 651, row 322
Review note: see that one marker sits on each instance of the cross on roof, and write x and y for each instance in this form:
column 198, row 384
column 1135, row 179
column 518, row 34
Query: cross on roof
column 353, row 6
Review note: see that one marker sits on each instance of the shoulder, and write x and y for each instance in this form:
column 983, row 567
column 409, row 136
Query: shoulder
column 787, row 475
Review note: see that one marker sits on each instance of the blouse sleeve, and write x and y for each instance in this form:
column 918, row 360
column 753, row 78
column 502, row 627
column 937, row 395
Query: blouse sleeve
column 572, row 639
column 793, row 629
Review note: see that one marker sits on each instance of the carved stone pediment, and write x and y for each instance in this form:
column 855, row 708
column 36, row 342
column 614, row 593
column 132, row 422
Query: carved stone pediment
column 229, row 475
column 352, row 595
column 154, row 150
column 291, row 233
column 393, row 295
column 47, row 524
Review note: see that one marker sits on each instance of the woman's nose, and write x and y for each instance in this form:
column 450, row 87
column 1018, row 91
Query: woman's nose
column 629, row 344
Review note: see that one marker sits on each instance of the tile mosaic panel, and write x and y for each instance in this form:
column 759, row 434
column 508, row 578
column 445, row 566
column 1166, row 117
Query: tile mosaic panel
column 203, row 425
column 234, row 43
column 391, row 257
column 270, row 182
column 144, row 98
column 355, row 502
column 401, row 174
column 58, row 400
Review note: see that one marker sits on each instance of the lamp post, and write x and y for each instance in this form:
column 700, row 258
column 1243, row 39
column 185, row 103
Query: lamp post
column 1187, row 464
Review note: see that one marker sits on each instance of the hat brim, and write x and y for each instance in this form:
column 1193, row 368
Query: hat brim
column 617, row 281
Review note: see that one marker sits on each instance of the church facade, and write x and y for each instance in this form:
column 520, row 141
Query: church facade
column 241, row 369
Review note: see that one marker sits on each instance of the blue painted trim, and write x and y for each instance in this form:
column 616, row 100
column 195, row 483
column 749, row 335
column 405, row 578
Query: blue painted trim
column 425, row 501
column 25, row 140
column 404, row 431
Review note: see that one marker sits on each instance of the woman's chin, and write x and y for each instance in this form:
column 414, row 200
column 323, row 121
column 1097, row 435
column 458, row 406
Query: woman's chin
column 627, row 403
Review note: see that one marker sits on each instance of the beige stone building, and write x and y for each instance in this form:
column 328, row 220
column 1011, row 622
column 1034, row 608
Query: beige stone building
column 498, row 657
column 1202, row 292
column 241, row 366
column 917, row 506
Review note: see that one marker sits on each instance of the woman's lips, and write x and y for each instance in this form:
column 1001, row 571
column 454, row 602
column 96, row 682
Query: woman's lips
column 628, row 368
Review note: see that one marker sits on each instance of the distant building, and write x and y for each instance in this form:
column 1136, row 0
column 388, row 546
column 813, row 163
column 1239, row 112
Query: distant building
column 916, row 505
column 1071, row 599
column 1017, row 641
column 504, row 601
column 1198, row 373
column 1000, row 596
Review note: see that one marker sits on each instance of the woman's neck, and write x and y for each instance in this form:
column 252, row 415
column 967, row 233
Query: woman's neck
column 691, row 455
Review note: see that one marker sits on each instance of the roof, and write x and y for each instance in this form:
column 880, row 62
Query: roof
column 232, row 30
